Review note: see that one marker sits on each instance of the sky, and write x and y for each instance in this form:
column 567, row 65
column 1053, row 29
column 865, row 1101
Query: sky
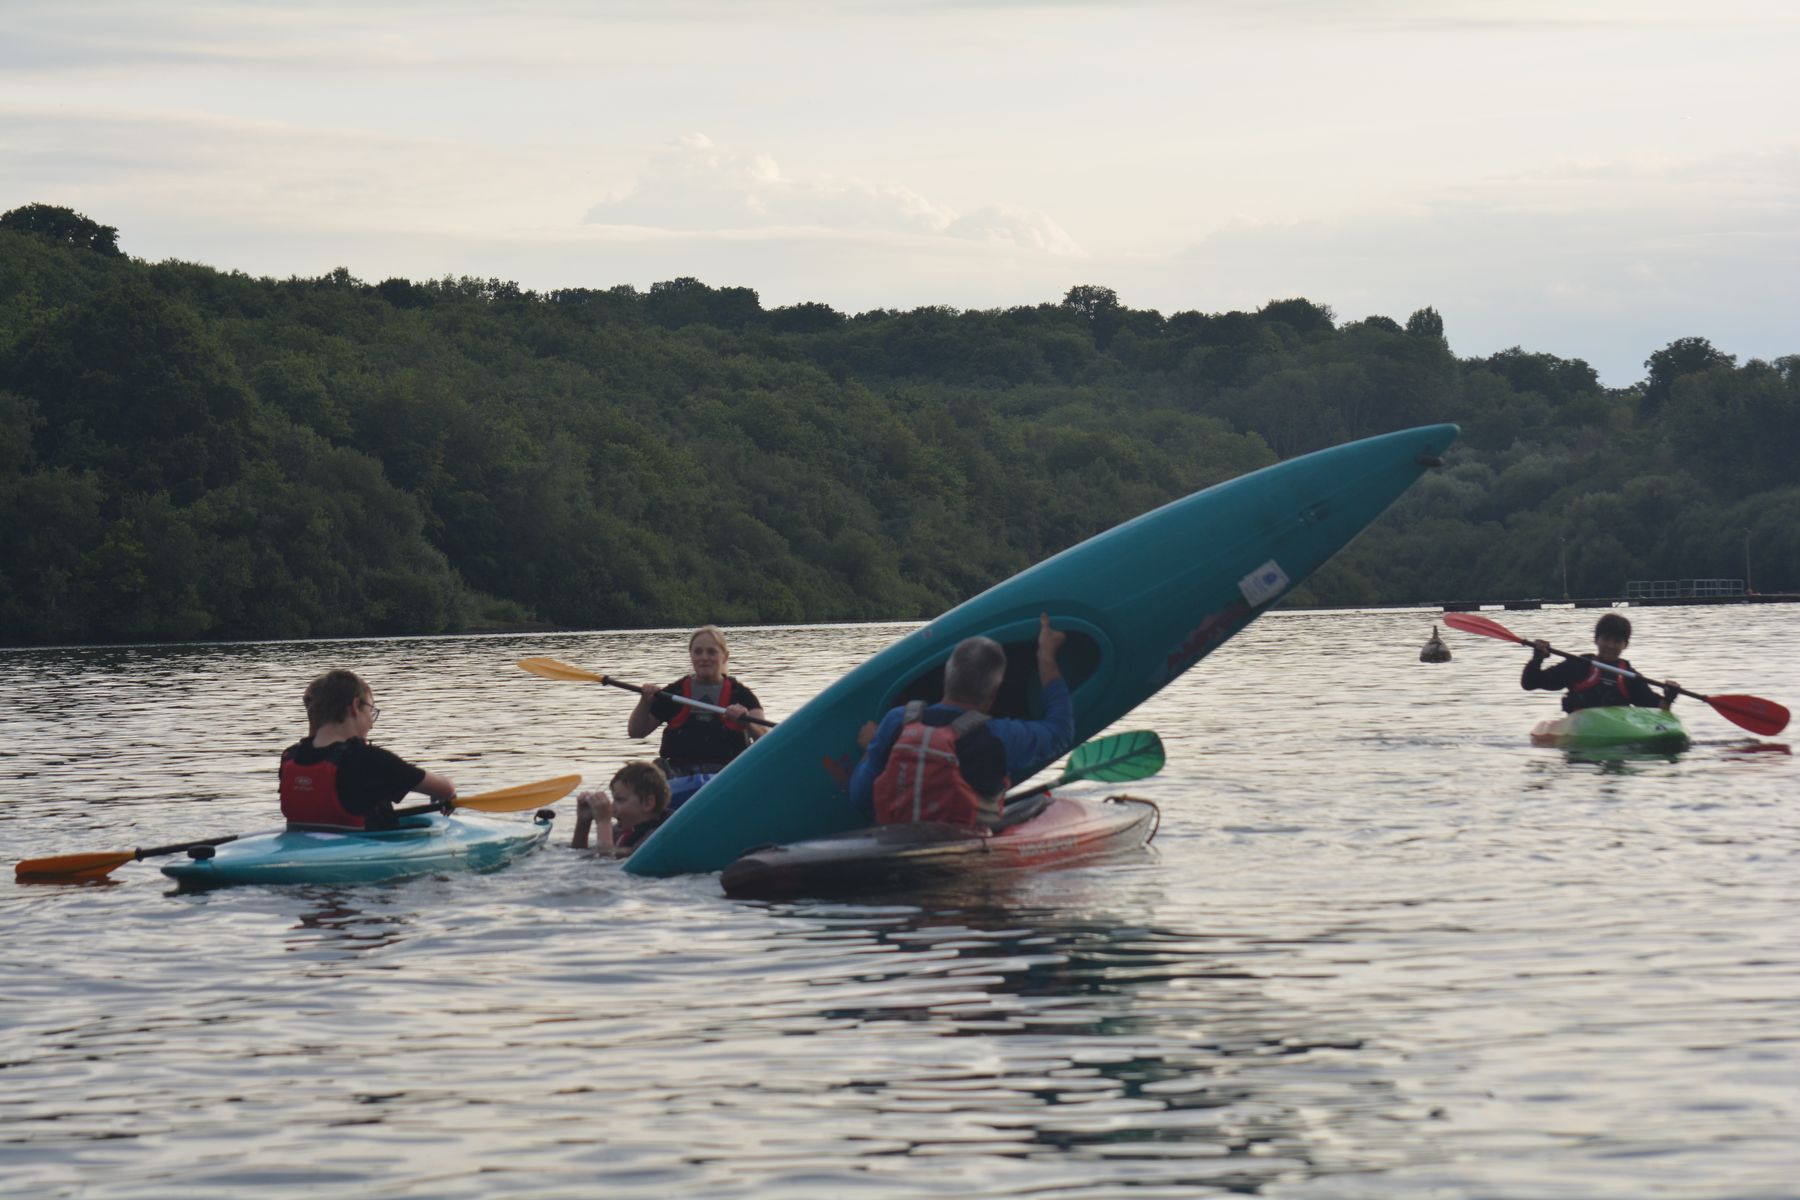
column 1586, row 178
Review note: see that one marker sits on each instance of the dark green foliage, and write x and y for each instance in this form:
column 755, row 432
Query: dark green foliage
column 1425, row 323
column 1681, row 357
column 62, row 225
column 192, row 453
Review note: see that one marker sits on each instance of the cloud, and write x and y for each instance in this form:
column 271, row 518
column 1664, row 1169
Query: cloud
column 698, row 187
column 145, row 168
column 1601, row 261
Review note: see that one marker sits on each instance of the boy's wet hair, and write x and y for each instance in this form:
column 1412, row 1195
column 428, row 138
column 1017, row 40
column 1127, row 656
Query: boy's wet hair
column 1613, row 625
column 329, row 697
column 645, row 780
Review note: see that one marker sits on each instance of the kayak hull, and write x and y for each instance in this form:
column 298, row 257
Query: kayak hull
column 1141, row 604
column 890, row 858
column 429, row 844
column 1622, row 725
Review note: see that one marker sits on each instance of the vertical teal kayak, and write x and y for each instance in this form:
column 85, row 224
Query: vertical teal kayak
column 1142, row 603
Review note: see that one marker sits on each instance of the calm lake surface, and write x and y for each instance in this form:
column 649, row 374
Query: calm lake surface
column 1382, row 947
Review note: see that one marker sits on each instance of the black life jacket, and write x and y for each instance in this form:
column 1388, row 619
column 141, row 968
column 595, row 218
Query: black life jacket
column 687, row 741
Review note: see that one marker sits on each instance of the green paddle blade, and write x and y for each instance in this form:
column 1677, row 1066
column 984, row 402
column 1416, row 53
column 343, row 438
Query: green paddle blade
column 1117, row 759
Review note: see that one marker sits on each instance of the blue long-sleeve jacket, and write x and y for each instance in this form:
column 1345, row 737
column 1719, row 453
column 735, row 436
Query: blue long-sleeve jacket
column 1030, row 745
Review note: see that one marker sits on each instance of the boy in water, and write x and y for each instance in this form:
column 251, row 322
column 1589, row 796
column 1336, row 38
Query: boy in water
column 1588, row 685
column 637, row 801
column 332, row 778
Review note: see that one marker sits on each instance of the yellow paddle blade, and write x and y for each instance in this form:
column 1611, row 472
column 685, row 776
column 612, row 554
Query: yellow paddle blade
column 550, row 668
column 71, row 868
column 522, row 797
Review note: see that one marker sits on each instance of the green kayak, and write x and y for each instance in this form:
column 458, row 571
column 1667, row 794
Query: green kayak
column 1623, row 725
column 427, row 844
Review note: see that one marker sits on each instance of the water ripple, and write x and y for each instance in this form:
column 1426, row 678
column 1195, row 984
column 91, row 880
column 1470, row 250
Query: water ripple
column 1382, row 948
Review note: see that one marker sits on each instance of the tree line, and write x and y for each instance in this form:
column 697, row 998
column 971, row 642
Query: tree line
column 194, row 453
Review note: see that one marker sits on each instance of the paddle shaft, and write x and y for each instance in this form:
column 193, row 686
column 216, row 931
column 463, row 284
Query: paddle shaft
column 178, row 847
column 702, row 705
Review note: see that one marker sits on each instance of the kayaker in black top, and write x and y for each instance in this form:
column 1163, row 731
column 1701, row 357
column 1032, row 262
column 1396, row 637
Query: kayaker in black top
column 333, row 778
column 634, row 804
column 1590, row 686
column 697, row 742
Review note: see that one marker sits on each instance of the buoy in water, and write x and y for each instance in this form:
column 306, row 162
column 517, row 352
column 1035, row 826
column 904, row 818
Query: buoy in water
column 1434, row 650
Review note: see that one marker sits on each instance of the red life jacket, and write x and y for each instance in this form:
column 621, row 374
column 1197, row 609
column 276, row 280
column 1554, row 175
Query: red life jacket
column 309, row 794
column 923, row 779
column 686, row 690
column 1596, row 678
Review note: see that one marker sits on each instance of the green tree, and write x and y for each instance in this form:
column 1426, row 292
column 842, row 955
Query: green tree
column 1683, row 356
column 63, row 225
column 1425, row 323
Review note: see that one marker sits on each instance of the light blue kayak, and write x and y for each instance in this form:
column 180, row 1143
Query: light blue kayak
column 427, row 844
column 1142, row 603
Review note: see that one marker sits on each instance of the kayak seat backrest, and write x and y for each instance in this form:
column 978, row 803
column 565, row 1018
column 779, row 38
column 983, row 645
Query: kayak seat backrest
column 1024, row 810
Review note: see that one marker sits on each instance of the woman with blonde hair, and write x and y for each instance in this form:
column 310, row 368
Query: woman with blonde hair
column 697, row 742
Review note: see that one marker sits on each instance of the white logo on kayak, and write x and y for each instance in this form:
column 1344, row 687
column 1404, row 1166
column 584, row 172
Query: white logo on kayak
column 1263, row 584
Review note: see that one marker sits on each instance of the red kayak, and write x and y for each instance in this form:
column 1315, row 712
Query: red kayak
column 891, row 857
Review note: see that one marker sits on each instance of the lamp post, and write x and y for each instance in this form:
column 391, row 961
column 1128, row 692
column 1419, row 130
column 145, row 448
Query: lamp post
column 1563, row 557
column 1748, row 586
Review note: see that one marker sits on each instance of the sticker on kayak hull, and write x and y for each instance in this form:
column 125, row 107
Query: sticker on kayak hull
column 1263, row 584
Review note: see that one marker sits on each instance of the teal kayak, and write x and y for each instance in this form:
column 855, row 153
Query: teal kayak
column 427, row 844
column 1621, row 725
column 1141, row 603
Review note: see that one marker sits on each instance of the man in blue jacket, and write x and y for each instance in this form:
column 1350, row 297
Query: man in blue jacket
column 949, row 761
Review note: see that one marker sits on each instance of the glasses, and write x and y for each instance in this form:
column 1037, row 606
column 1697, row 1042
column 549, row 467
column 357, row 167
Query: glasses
column 374, row 712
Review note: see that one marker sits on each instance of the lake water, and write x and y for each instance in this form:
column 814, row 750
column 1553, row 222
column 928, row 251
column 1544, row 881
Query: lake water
column 1382, row 947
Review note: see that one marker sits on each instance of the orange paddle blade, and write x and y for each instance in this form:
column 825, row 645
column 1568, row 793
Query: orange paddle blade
column 71, row 868
column 550, row 668
column 523, row 796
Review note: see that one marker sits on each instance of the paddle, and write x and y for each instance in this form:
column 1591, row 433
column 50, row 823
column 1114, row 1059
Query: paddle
column 1750, row 712
column 1120, row 758
column 77, row 868
column 550, row 668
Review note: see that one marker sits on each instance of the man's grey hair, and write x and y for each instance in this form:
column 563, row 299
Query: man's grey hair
column 975, row 670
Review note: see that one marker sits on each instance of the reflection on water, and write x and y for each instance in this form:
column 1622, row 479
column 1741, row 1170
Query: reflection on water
column 1143, row 1048
column 1382, row 947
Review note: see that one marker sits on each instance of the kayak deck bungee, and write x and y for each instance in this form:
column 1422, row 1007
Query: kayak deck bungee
column 1613, row 725
column 887, row 858
column 1141, row 604
column 426, row 844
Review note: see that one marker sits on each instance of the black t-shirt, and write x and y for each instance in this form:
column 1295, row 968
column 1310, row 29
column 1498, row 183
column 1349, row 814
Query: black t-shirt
column 370, row 780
